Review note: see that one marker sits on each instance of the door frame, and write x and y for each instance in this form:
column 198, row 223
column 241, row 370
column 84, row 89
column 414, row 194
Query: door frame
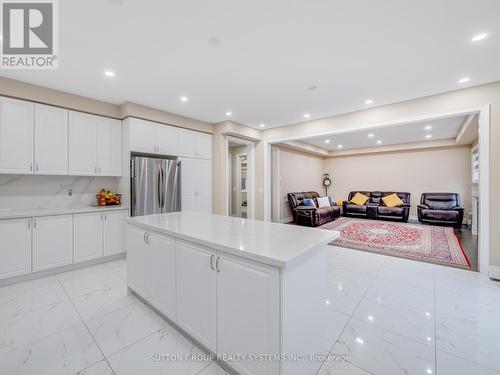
column 483, row 112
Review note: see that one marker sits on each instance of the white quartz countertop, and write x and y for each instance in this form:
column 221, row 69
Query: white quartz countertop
column 280, row 245
column 7, row 213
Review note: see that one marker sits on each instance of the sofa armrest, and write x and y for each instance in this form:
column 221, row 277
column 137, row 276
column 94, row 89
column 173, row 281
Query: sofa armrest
column 405, row 205
column 457, row 208
column 305, row 208
column 423, row 206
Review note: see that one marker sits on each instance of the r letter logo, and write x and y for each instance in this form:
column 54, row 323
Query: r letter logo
column 30, row 38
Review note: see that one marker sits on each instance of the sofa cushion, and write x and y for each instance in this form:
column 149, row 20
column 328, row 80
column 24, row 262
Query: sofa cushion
column 390, row 211
column 392, row 200
column 440, row 215
column 353, row 208
column 359, row 199
column 309, row 202
column 323, row 202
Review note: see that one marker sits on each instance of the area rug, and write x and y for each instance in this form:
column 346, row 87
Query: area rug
column 426, row 243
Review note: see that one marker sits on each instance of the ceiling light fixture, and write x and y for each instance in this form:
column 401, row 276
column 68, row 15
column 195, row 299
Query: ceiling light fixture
column 262, row 125
column 229, row 113
column 327, row 141
column 360, row 340
column 371, row 135
column 109, row 73
column 428, row 127
column 479, row 37
column 307, row 115
column 464, row 80
column 368, row 101
column 184, row 98
column 379, row 142
column 340, row 146
column 428, row 136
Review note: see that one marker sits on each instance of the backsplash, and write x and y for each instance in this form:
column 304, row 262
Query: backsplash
column 33, row 192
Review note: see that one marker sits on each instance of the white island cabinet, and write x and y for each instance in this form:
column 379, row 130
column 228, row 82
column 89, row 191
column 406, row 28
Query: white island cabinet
column 249, row 291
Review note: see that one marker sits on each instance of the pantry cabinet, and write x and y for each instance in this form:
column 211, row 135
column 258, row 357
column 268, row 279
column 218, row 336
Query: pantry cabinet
column 51, row 140
column 15, row 249
column 52, row 241
column 196, row 184
column 16, row 136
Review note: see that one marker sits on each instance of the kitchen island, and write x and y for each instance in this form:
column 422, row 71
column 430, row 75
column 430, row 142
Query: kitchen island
column 250, row 292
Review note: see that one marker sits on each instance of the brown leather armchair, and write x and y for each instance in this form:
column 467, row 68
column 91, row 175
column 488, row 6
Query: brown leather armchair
column 308, row 215
column 440, row 208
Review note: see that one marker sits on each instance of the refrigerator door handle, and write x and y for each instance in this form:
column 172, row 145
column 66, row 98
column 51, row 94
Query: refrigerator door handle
column 159, row 188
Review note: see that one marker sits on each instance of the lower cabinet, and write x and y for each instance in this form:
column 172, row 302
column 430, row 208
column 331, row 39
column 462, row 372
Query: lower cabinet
column 15, row 248
column 136, row 260
column 87, row 233
column 113, row 236
column 52, row 242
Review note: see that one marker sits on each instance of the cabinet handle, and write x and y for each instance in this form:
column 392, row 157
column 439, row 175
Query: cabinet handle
column 147, row 237
column 34, row 223
column 144, row 237
column 29, row 223
column 36, row 167
column 212, row 262
column 217, row 265
column 105, row 217
column 95, row 169
column 31, row 167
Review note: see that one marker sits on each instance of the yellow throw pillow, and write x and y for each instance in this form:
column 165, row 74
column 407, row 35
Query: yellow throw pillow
column 359, row 199
column 392, row 200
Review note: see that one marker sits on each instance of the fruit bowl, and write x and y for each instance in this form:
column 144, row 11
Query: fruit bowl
column 108, row 198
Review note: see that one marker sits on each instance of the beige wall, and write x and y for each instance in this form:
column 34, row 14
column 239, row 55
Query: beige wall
column 298, row 172
column 416, row 172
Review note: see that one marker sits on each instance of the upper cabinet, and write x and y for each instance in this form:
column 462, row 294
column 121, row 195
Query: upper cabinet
column 151, row 137
column 51, row 140
column 195, row 144
column 16, row 136
column 42, row 139
column 94, row 145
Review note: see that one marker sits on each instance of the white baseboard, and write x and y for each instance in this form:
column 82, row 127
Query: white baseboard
column 286, row 220
column 494, row 272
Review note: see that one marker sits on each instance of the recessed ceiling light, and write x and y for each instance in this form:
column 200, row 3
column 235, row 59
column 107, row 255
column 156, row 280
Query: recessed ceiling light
column 428, row 136
column 109, row 73
column 379, row 142
column 429, row 371
column 360, row 340
column 464, row 80
column 371, row 135
column 312, row 87
column 1, row 38
column 428, row 127
column 262, row 125
column 327, row 141
column 479, row 37
column 340, row 146
column 368, row 101
column 184, row 99
column 307, row 115
column 228, row 113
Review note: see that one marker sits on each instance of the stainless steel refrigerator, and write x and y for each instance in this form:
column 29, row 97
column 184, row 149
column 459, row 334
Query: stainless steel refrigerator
column 155, row 184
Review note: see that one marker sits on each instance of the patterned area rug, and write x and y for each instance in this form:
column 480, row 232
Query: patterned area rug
column 426, row 243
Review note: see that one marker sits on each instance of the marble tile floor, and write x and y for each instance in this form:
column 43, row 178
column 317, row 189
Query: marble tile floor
column 386, row 315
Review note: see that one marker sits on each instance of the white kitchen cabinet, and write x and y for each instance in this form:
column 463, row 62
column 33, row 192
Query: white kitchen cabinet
column 109, row 146
column 151, row 137
column 15, row 248
column 87, row 236
column 196, row 292
column 16, row 136
column 248, row 298
column 52, row 241
column 82, row 144
column 195, row 144
column 113, row 236
column 136, row 260
column 51, row 140
column 196, row 184
column 161, row 274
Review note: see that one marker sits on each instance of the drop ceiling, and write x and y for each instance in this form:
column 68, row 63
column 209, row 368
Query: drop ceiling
column 270, row 62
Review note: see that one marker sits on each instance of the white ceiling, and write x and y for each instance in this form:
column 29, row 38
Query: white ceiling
column 399, row 134
column 270, row 53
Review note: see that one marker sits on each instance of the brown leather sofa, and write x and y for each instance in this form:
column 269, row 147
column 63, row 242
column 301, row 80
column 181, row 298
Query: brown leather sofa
column 375, row 208
column 308, row 215
column 440, row 208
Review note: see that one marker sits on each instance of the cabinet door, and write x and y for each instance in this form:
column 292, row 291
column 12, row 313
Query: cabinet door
column 87, row 233
column 15, row 251
column 248, row 307
column 82, row 144
column 52, row 242
column 136, row 260
column 109, row 146
column 16, row 136
column 142, row 135
column 188, row 143
column 204, row 146
column 196, row 292
column 203, row 185
column 161, row 270
column 166, row 138
column 189, row 182
column 51, row 140
column 113, row 232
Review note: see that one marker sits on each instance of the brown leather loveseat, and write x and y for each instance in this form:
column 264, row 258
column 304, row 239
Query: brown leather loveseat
column 375, row 208
column 308, row 215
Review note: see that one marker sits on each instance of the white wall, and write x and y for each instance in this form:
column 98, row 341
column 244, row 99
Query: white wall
column 298, row 172
column 416, row 172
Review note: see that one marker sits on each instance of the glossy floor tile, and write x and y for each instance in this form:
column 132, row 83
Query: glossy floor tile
column 383, row 315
